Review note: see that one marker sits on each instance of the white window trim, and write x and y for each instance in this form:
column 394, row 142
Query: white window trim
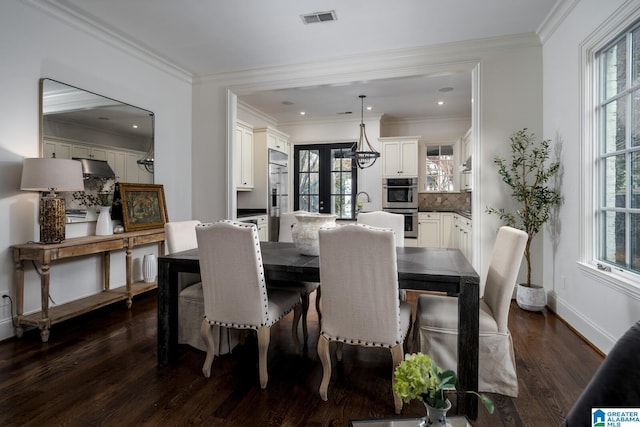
column 622, row 18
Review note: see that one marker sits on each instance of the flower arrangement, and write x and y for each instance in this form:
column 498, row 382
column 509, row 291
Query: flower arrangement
column 98, row 192
column 418, row 377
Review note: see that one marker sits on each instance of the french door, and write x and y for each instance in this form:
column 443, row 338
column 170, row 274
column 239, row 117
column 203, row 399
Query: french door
column 325, row 179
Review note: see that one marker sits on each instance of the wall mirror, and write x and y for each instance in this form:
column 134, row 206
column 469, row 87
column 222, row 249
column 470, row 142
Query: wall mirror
column 78, row 124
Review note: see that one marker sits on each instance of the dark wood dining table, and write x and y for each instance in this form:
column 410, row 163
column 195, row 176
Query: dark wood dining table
column 432, row 269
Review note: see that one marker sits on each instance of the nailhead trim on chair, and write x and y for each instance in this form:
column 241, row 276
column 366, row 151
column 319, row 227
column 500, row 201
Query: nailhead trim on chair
column 360, row 342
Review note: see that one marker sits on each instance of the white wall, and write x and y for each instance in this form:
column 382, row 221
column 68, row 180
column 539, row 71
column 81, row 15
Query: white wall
column 600, row 312
column 33, row 45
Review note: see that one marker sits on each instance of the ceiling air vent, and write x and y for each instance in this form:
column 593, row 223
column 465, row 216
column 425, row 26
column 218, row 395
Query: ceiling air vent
column 311, row 18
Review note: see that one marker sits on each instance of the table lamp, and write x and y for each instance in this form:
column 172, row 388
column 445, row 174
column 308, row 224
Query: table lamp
column 51, row 174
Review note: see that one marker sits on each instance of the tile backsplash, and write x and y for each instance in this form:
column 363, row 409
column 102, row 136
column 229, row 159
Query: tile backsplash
column 444, row 201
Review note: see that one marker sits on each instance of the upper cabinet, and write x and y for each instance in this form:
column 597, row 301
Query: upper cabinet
column 276, row 140
column 399, row 157
column 244, row 157
column 466, row 169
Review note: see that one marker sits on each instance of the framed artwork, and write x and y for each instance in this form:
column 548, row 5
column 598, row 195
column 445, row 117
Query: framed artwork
column 143, row 206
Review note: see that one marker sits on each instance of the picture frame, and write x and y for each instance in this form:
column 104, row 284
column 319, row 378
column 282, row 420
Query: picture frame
column 143, row 206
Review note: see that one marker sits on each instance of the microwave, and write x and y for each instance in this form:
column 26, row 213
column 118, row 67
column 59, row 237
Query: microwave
column 400, row 193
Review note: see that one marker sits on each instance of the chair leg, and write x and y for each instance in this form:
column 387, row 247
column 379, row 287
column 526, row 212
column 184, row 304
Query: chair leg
column 264, row 336
column 297, row 313
column 206, row 331
column 305, row 310
column 339, row 346
column 325, row 358
column 397, row 354
column 318, row 308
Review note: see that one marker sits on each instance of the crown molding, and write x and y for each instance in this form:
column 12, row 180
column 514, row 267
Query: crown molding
column 554, row 18
column 427, row 120
column 69, row 17
column 259, row 113
column 432, row 60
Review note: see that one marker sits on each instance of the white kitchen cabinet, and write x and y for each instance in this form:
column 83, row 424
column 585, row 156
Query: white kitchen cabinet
column 399, row 157
column 88, row 152
column 434, row 229
column 261, row 222
column 244, row 156
column 275, row 140
column 61, row 150
column 466, row 146
column 462, row 228
column 429, row 230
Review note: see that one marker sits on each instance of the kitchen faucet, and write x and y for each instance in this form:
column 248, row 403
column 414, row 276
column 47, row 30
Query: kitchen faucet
column 358, row 203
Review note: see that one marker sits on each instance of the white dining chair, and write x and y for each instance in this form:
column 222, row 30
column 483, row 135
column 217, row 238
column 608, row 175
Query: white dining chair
column 235, row 291
column 358, row 272
column 181, row 236
column 385, row 220
column 287, row 220
column 436, row 328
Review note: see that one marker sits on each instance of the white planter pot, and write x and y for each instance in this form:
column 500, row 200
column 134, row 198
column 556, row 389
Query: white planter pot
column 533, row 298
column 305, row 231
column 104, row 226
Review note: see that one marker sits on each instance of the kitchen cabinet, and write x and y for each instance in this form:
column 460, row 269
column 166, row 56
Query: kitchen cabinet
column 429, row 230
column 123, row 162
column 399, row 157
column 434, row 229
column 276, row 140
column 466, row 147
column 244, row 156
column 462, row 229
column 261, row 222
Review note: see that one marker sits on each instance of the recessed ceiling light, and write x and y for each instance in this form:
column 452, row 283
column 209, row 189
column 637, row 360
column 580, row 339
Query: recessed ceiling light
column 369, row 108
column 440, row 102
column 135, row 126
column 445, row 89
column 302, row 113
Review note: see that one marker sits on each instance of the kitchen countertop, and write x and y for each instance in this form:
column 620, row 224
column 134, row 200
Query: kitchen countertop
column 466, row 214
column 240, row 213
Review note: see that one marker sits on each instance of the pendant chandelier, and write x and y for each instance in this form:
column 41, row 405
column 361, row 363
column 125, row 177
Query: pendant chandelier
column 362, row 151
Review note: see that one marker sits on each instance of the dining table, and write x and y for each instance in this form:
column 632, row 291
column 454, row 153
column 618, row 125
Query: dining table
column 422, row 269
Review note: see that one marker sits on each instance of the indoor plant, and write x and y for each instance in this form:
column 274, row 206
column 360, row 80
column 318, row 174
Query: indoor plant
column 418, row 377
column 528, row 174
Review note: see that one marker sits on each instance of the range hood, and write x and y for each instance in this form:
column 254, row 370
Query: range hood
column 95, row 168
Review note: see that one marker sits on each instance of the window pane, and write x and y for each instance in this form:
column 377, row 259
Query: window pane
column 635, row 242
column 615, row 125
column 614, row 182
column 635, row 119
column 635, row 180
column 635, row 47
column 614, row 238
column 615, row 69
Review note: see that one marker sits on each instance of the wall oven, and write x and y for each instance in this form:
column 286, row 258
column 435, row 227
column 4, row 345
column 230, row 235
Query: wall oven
column 410, row 220
column 400, row 193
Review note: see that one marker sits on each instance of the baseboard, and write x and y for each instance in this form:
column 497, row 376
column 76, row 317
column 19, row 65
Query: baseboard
column 588, row 331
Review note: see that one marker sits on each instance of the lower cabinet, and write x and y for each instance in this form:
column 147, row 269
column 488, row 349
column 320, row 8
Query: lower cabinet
column 261, row 222
column 434, row 229
column 461, row 235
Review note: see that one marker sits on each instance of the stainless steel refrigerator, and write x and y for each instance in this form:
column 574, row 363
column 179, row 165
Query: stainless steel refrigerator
column 278, row 191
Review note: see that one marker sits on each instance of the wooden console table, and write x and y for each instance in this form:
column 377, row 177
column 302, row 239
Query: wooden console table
column 45, row 254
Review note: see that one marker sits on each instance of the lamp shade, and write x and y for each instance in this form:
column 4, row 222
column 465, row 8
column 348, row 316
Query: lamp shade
column 44, row 174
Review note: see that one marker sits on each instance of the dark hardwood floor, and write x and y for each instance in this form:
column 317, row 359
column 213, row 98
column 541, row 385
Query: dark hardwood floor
column 101, row 370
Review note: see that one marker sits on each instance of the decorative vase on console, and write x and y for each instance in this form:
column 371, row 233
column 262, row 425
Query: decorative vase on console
column 305, row 231
column 104, row 226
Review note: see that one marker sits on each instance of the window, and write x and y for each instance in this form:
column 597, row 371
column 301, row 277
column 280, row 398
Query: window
column 617, row 154
column 439, row 168
column 325, row 179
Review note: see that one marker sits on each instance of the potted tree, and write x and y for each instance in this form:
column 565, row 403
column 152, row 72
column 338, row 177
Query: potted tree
column 528, row 174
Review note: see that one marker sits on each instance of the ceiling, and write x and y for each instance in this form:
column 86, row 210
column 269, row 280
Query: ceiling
column 205, row 37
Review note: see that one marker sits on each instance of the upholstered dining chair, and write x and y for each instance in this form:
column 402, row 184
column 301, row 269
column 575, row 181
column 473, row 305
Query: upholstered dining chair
column 235, row 291
column 287, row 220
column 181, row 236
column 384, row 219
column 359, row 277
column 436, row 328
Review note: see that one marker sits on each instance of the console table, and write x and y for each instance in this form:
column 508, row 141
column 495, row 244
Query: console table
column 45, row 254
